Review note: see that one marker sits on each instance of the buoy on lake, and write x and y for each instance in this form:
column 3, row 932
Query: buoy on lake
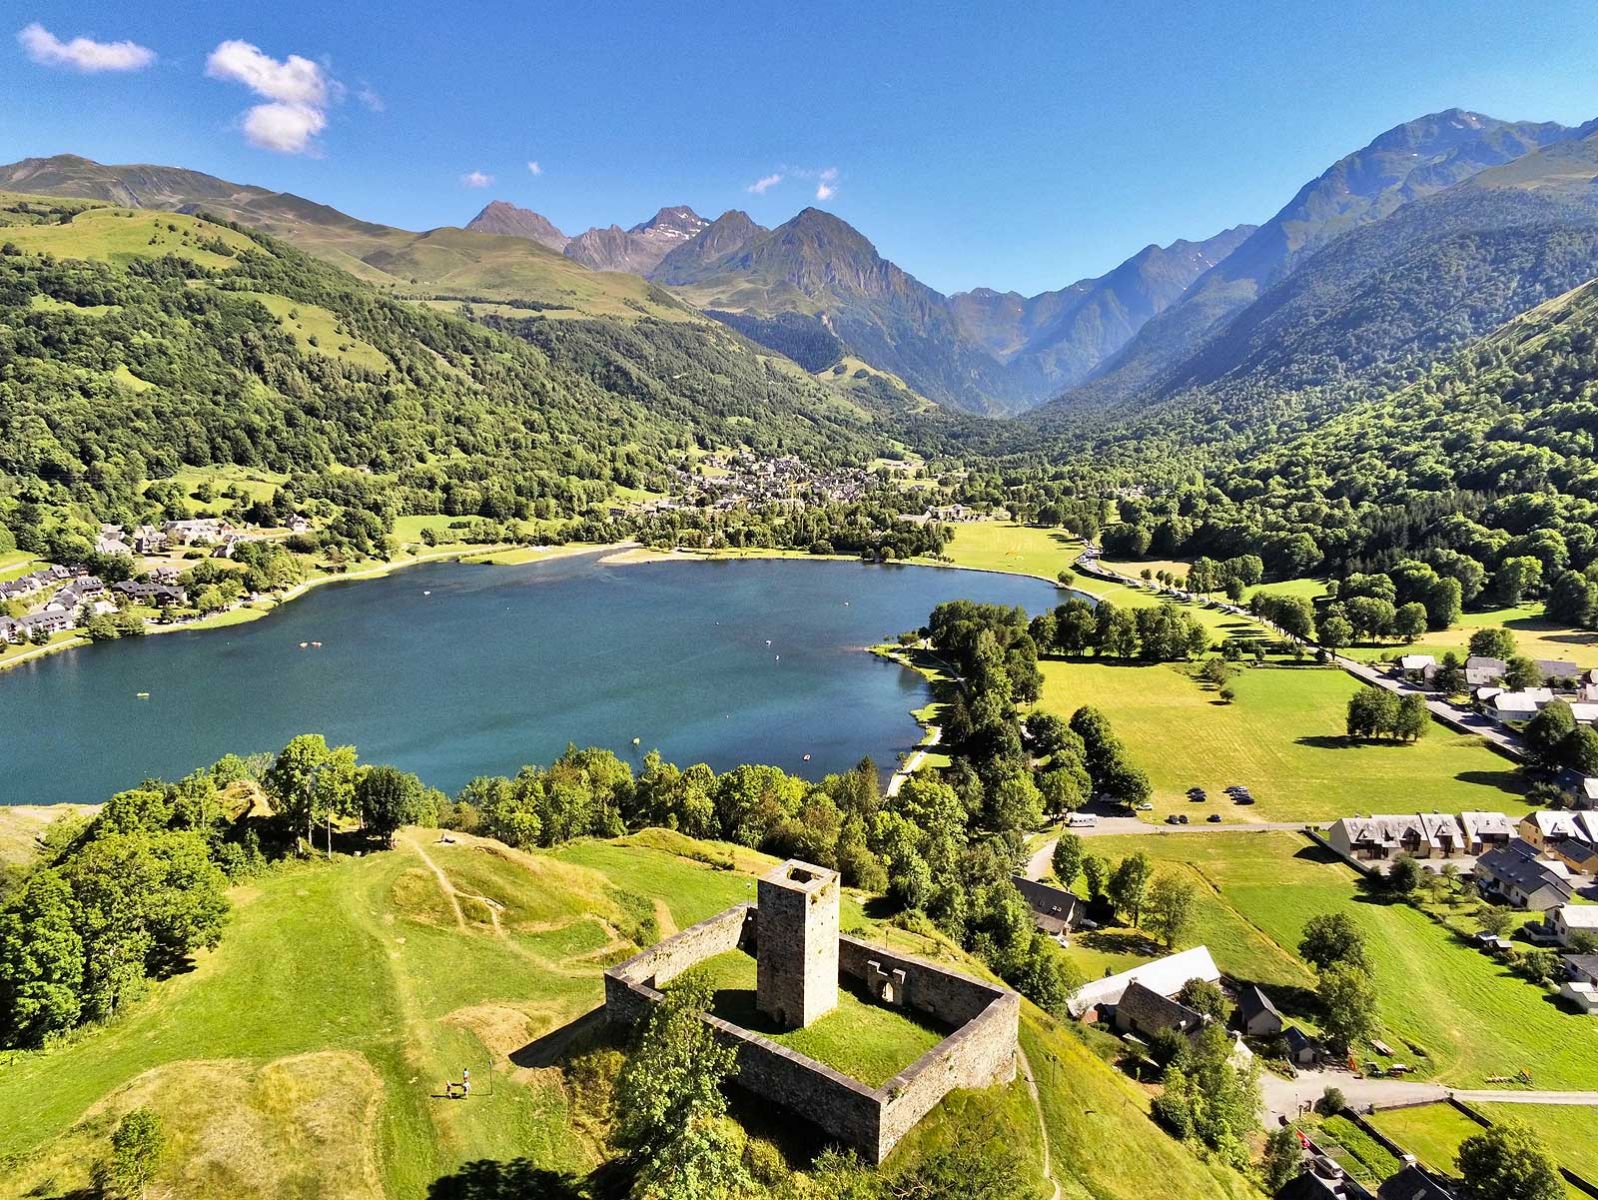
column 637, row 742
column 427, row 592
column 807, row 758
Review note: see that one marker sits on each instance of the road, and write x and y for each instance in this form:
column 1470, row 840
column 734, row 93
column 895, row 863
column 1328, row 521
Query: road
column 913, row 763
column 1464, row 719
column 1286, row 1097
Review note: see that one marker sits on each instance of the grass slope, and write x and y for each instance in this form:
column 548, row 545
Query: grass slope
column 1433, row 1133
column 305, row 1056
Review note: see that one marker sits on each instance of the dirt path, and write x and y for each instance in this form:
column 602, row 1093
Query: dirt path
column 1043, row 1126
column 664, row 920
column 444, row 884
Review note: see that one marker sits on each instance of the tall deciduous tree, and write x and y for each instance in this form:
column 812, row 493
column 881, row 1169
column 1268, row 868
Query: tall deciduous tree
column 1507, row 1161
column 1171, row 903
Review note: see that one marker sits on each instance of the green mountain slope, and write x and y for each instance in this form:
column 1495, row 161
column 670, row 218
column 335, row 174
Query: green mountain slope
column 1406, row 164
column 134, row 342
column 446, row 262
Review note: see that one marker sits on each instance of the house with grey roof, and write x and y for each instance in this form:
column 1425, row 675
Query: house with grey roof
column 1570, row 921
column 1507, row 873
column 1484, row 830
column 1481, row 671
column 1256, row 1016
column 1054, row 910
column 1145, row 1013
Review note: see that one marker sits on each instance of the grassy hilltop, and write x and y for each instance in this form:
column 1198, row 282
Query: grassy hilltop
column 306, row 1055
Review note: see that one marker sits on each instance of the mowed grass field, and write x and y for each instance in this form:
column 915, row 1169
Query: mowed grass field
column 1281, row 738
column 1433, row 1133
column 1472, row 1016
column 1018, row 549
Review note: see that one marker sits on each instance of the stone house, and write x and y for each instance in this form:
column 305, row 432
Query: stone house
column 1256, row 1016
column 1145, row 1013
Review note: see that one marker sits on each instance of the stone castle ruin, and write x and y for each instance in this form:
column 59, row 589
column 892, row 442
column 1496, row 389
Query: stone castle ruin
column 801, row 960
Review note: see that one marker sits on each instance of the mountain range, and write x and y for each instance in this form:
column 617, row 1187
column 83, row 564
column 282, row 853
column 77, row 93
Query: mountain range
column 1430, row 235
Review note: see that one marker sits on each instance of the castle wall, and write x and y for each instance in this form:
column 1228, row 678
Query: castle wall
column 979, row 1053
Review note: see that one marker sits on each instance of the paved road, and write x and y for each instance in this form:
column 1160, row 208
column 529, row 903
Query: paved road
column 1285, row 1097
column 1452, row 714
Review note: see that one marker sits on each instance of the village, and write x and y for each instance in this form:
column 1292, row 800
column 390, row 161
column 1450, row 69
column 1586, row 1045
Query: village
column 56, row 599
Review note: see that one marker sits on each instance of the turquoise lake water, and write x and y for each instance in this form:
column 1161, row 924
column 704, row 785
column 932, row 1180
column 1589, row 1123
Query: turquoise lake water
column 453, row 670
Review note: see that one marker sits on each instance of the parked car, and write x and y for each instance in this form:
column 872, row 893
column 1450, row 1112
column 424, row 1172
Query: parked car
column 1145, row 806
column 1173, row 819
column 1214, row 818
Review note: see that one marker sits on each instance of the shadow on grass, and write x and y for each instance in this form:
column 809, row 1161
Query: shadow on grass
column 549, row 1049
column 507, row 1179
column 1331, row 741
column 1317, row 853
column 1509, row 781
column 1119, row 941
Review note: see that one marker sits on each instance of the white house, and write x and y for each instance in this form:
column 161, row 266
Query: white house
column 1164, row 976
column 1518, row 706
column 1568, row 920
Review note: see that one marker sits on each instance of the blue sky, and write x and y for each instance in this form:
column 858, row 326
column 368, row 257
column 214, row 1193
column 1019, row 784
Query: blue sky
column 1011, row 146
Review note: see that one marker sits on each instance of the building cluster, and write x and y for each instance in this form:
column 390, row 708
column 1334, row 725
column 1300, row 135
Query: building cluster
column 65, row 597
column 150, row 539
column 61, row 597
column 1547, row 863
column 740, row 478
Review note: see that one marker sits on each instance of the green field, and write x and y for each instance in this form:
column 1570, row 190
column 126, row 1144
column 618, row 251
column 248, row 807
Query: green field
column 1433, row 1133
column 1018, row 549
column 866, row 1041
column 1570, row 1132
column 121, row 235
column 1361, row 1155
column 1281, row 738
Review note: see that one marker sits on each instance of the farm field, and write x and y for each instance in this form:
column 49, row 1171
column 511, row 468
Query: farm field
column 1282, row 738
column 1433, row 1133
column 1019, row 549
column 315, row 331
column 1473, row 1018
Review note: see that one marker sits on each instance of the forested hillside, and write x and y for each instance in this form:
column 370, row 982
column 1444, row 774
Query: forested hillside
column 1484, row 470
column 134, row 342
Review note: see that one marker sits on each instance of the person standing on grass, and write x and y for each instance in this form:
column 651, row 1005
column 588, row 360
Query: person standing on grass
column 466, row 1083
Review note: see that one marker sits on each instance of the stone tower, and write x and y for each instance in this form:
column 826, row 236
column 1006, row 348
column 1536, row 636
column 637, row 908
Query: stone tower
column 796, row 977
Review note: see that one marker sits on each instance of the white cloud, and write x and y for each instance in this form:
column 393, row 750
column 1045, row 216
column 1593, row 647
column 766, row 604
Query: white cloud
column 535, row 168
column 295, row 80
column 369, row 98
column 81, row 53
column 827, row 184
column 477, row 179
column 286, row 128
column 296, row 89
column 764, row 184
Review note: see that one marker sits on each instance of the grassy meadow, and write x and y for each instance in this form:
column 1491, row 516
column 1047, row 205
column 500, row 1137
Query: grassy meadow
column 1017, row 549
column 1535, row 637
column 1433, row 1133
column 1282, row 738
column 122, row 235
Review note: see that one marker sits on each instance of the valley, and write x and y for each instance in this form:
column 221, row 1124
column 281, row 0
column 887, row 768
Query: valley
column 839, row 609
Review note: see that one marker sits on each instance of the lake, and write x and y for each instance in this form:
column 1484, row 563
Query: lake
column 453, row 670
